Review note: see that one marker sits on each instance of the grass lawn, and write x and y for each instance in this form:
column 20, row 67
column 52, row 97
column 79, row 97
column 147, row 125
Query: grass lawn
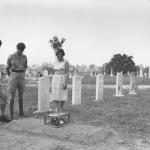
column 129, row 115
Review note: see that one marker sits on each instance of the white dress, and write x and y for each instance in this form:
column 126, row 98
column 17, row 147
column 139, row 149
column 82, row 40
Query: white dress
column 58, row 81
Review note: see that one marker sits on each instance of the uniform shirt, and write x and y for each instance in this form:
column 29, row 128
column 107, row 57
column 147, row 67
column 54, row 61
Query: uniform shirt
column 17, row 62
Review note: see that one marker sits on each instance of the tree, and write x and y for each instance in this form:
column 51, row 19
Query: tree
column 122, row 63
column 104, row 68
column 146, row 70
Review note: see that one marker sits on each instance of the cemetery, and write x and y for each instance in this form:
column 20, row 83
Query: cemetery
column 106, row 108
column 105, row 111
column 74, row 75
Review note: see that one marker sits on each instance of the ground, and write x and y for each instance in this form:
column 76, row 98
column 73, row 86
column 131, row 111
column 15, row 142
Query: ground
column 111, row 124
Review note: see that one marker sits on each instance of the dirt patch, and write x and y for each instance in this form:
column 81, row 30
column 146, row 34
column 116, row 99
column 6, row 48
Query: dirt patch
column 84, row 134
column 31, row 132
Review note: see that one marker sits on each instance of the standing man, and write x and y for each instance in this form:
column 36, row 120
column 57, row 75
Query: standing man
column 16, row 67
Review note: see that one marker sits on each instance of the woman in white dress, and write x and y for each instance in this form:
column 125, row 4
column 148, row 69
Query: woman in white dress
column 60, row 80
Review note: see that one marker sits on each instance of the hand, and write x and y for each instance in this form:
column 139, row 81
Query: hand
column 63, row 39
column 65, row 86
column 8, row 102
column 51, row 41
column 50, row 89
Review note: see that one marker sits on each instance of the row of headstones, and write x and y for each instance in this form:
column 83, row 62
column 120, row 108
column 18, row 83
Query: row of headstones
column 140, row 74
column 119, row 81
column 45, row 73
column 45, row 82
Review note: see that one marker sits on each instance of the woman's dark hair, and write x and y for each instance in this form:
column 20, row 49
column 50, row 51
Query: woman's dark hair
column 60, row 51
column 21, row 46
column 0, row 42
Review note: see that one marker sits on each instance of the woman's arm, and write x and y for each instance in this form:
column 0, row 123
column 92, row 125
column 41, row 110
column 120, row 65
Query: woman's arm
column 66, row 74
column 67, row 71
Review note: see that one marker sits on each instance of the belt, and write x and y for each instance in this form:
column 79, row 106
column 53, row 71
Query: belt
column 20, row 71
column 61, row 73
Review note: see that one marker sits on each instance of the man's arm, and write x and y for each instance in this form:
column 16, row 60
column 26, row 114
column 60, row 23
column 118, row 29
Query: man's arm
column 8, row 65
column 26, row 63
column 67, row 71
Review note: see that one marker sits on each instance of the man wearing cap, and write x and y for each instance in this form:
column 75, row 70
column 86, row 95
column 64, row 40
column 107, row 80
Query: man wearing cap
column 16, row 66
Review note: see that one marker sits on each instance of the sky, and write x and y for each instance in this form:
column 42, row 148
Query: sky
column 94, row 30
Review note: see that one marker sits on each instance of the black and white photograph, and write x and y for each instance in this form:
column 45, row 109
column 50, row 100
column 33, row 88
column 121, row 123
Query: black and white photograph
column 74, row 74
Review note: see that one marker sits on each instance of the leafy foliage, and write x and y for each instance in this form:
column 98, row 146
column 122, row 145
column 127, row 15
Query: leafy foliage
column 120, row 63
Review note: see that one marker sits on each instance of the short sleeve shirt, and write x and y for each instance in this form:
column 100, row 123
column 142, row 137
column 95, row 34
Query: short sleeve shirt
column 17, row 62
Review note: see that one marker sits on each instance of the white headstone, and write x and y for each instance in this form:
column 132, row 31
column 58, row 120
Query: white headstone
column 75, row 72
column 145, row 74
column 132, row 84
column 76, row 90
column 141, row 71
column 45, row 72
column 119, row 85
column 99, row 86
column 111, row 72
column 70, row 76
column 43, row 94
column 91, row 73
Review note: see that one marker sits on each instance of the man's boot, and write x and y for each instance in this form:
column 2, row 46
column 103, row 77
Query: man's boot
column 21, row 112
column 11, row 108
column 21, row 107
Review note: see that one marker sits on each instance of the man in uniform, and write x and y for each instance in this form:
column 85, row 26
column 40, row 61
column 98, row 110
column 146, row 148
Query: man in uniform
column 16, row 66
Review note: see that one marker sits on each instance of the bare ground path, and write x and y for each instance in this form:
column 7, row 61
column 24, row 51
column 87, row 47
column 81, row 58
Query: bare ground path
column 32, row 134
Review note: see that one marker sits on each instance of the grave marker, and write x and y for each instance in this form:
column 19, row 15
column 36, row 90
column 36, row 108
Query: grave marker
column 45, row 72
column 99, row 86
column 119, row 85
column 141, row 71
column 76, row 90
column 43, row 94
column 132, row 84
column 111, row 72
